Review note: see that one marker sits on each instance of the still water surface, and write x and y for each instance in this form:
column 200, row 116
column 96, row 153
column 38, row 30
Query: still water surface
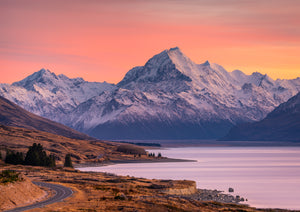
column 266, row 176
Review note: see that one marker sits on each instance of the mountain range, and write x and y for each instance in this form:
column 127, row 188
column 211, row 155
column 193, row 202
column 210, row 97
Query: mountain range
column 170, row 97
column 282, row 124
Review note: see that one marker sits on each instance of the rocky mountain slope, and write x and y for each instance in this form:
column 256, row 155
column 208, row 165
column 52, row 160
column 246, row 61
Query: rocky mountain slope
column 170, row 97
column 282, row 124
column 13, row 115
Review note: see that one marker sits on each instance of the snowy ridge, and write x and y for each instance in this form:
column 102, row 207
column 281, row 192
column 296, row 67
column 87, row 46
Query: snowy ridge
column 51, row 96
column 169, row 97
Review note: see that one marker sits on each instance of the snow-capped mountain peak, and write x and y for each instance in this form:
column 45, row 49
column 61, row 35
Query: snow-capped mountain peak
column 43, row 76
column 161, row 71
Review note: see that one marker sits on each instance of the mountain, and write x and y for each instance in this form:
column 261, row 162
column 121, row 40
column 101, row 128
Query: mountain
column 170, row 97
column 282, row 124
column 51, row 96
column 13, row 115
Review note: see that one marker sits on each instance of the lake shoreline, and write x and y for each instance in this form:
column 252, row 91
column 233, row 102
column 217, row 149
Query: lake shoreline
column 200, row 194
column 246, row 169
column 211, row 143
column 114, row 162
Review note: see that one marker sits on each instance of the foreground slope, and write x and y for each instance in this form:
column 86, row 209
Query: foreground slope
column 13, row 115
column 20, row 192
column 282, row 124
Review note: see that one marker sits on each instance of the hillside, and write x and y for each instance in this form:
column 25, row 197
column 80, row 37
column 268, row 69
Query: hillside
column 13, row 115
column 82, row 151
column 282, row 124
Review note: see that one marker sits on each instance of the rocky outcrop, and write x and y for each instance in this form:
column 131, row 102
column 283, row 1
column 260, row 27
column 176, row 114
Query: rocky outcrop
column 186, row 189
column 217, row 196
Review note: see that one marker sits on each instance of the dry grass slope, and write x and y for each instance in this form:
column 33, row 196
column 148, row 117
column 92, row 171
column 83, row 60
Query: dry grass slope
column 82, row 151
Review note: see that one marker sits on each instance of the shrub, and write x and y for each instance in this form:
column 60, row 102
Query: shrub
column 8, row 176
column 120, row 197
column 14, row 158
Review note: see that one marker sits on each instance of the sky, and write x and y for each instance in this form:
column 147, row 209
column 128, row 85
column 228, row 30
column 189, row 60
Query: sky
column 100, row 40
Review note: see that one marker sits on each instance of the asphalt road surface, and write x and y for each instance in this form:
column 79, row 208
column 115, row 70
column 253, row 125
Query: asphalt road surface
column 61, row 193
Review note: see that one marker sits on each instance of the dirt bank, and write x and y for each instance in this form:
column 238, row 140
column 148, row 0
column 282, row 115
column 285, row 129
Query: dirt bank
column 19, row 193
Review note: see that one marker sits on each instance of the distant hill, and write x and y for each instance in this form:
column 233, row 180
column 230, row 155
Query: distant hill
column 13, row 115
column 282, row 124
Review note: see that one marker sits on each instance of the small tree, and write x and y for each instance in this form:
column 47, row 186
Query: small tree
column 68, row 161
column 14, row 158
column 36, row 156
column 159, row 155
column 50, row 162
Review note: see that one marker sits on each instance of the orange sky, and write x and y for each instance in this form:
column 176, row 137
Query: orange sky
column 100, row 40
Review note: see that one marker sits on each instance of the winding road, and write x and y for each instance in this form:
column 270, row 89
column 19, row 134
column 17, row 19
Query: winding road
column 61, row 193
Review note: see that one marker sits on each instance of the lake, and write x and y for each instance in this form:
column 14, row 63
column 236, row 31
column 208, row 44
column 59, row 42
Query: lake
column 269, row 177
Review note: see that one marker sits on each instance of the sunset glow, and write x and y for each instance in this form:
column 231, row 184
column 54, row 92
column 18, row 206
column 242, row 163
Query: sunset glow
column 102, row 40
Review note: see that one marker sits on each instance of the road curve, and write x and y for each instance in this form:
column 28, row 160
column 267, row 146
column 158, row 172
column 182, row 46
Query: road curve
column 61, row 193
